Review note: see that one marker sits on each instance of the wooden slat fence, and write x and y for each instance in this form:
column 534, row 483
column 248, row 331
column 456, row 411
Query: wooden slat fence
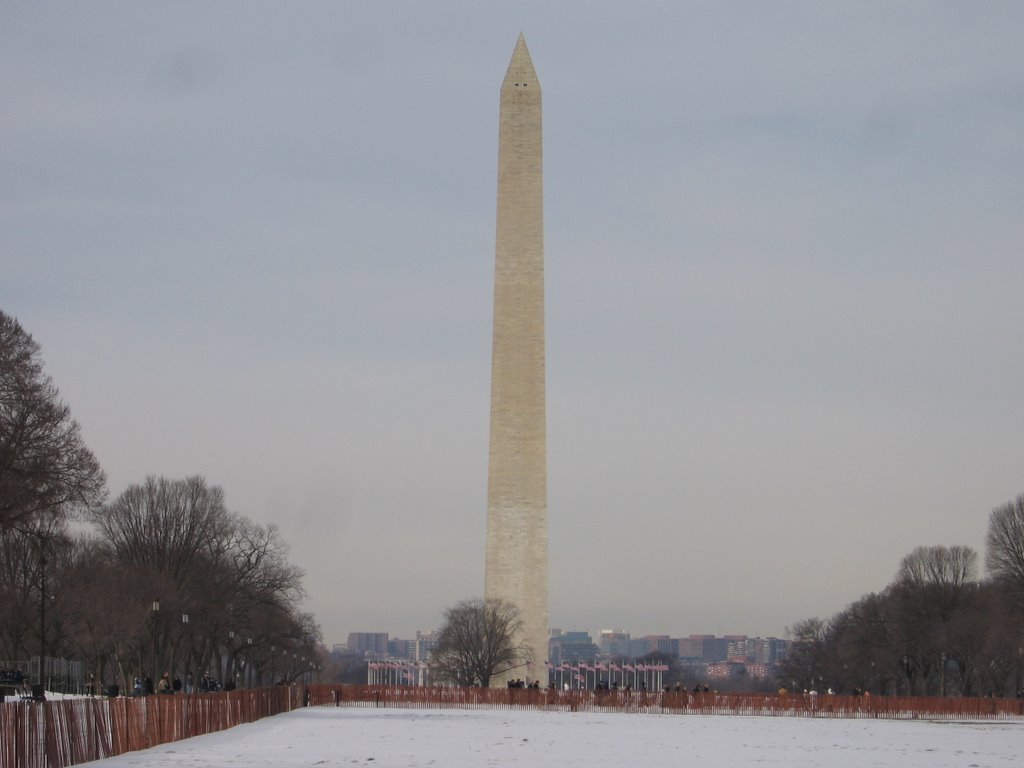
column 671, row 702
column 66, row 732
column 54, row 734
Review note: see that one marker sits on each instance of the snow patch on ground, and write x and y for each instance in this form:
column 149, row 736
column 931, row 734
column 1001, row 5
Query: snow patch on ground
column 397, row 738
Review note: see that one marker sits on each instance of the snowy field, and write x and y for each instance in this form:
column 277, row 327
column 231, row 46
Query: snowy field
column 397, row 738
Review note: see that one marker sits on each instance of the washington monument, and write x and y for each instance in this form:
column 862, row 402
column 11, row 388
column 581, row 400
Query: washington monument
column 517, row 505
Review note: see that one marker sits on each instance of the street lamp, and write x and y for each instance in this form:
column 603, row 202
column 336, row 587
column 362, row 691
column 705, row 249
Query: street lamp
column 942, row 677
column 153, row 672
column 42, row 610
column 273, row 659
column 229, row 668
column 248, row 663
column 188, row 649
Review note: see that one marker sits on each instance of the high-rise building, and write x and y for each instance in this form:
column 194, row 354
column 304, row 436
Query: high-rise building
column 572, row 647
column 615, row 642
column 423, row 645
column 662, row 644
column 517, row 509
column 372, row 644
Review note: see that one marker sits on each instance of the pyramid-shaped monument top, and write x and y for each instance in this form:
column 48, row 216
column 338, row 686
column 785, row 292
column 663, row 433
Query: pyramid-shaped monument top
column 521, row 73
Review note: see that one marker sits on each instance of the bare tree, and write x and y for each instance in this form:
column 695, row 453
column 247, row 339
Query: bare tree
column 166, row 525
column 229, row 575
column 1005, row 544
column 932, row 584
column 806, row 659
column 946, row 567
column 45, row 468
column 22, row 597
column 479, row 641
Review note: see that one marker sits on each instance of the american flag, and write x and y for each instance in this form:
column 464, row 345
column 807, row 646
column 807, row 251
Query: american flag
column 629, row 667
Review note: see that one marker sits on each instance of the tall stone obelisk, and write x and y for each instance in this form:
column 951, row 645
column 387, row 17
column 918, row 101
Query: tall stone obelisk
column 517, row 506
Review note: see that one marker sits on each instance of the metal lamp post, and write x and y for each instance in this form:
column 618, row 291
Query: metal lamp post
column 942, row 677
column 153, row 674
column 42, row 612
column 188, row 649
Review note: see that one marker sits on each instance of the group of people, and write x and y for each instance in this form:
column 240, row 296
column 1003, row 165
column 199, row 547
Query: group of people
column 143, row 686
column 11, row 677
column 517, row 683
column 168, row 686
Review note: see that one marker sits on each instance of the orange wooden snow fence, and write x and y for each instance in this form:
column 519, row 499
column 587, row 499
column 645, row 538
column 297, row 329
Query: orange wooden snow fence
column 671, row 702
column 53, row 734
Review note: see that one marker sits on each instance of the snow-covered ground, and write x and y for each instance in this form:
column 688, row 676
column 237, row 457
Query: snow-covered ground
column 397, row 738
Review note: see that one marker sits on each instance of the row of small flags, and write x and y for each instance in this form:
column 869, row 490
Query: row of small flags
column 564, row 666
column 602, row 667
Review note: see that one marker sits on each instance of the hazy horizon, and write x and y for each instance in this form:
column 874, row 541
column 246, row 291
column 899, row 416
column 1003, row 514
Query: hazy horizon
column 783, row 254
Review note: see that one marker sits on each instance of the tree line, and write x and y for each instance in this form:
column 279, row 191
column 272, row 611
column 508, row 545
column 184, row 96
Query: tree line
column 162, row 578
column 937, row 629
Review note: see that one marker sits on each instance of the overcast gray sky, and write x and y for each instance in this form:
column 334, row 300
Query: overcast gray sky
column 784, row 281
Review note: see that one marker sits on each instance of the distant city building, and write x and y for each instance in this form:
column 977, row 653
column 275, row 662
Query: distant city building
column 724, row 670
column 615, row 642
column 707, row 648
column 660, row 644
column 736, row 650
column 401, row 649
column 422, row 646
column 717, row 658
column 636, row 648
column 759, row 671
column 571, row 646
column 370, row 644
column 768, row 650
